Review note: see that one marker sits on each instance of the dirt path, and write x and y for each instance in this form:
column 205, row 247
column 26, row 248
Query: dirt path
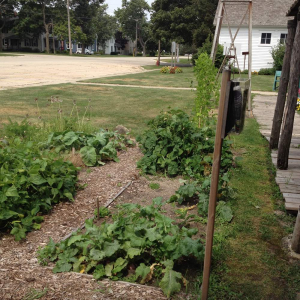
column 19, row 268
column 36, row 70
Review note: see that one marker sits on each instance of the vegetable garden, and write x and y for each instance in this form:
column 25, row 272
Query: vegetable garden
column 131, row 242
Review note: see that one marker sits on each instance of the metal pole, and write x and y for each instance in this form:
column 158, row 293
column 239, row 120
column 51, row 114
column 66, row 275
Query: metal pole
column 222, row 116
column 250, row 58
column 69, row 26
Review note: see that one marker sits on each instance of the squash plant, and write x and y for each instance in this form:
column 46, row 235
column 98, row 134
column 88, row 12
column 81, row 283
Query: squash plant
column 30, row 184
column 138, row 245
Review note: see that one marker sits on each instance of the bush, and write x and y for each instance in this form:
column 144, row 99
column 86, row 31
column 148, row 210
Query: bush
column 178, row 70
column 235, row 70
column 164, row 70
column 245, row 72
column 266, row 71
column 206, row 48
column 139, row 54
column 114, row 53
column 278, row 53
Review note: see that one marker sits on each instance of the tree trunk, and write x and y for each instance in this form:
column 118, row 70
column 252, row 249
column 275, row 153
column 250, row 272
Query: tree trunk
column 296, row 235
column 53, row 39
column 159, row 52
column 1, row 40
column 83, row 49
column 46, row 29
column 286, row 136
column 284, row 81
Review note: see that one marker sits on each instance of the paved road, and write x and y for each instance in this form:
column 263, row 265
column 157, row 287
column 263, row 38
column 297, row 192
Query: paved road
column 34, row 70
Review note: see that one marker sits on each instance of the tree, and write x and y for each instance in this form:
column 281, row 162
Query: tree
column 132, row 20
column 185, row 22
column 84, row 14
column 105, row 25
column 7, row 12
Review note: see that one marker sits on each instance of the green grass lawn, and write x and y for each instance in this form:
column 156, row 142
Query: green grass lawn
column 181, row 61
column 9, row 54
column 250, row 263
column 154, row 78
column 259, row 82
column 110, row 106
column 263, row 83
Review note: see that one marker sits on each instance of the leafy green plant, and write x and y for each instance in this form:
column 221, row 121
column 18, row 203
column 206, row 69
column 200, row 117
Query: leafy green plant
column 174, row 145
column 103, row 212
column 139, row 245
column 164, row 70
column 15, row 129
column 154, row 186
column 178, row 70
column 30, row 184
column 93, row 148
column 278, row 53
column 266, row 71
column 207, row 90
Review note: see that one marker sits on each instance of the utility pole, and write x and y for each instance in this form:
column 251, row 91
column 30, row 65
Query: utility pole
column 69, row 26
column 53, row 41
column 136, row 34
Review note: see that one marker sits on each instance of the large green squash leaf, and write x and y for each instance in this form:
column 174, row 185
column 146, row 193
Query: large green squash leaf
column 89, row 156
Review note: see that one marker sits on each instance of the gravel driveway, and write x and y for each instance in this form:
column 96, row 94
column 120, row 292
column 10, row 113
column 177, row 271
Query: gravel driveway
column 37, row 69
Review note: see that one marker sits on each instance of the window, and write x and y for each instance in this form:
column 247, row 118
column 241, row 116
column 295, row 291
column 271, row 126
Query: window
column 266, row 38
column 283, row 38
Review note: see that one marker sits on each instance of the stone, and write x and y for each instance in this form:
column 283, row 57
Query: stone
column 121, row 129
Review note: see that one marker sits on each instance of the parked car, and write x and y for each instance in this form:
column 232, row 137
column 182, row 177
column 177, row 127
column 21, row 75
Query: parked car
column 87, row 51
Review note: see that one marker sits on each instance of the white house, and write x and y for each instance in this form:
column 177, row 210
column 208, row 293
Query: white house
column 269, row 28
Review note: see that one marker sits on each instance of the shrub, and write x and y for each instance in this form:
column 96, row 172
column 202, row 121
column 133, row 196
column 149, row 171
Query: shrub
column 206, row 48
column 172, row 70
column 245, row 72
column 278, row 53
column 164, row 70
column 178, row 70
column 114, row 53
column 266, row 71
column 235, row 70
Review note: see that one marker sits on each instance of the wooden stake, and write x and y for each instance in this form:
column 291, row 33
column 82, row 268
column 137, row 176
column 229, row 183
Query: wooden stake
column 250, row 59
column 283, row 86
column 287, row 132
column 222, row 116
column 296, row 235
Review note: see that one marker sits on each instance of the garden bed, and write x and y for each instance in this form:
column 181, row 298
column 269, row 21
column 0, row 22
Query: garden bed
column 19, row 268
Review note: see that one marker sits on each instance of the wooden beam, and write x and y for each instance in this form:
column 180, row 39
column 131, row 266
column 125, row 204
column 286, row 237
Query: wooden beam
column 286, row 136
column 283, row 86
column 222, row 116
column 296, row 235
column 217, row 33
column 250, row 58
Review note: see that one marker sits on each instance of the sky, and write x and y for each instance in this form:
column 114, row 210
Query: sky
column 114, row 4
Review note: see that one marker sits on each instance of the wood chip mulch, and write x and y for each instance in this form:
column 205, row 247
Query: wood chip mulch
column 20, row 272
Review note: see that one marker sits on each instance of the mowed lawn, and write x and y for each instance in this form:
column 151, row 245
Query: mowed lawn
column 110, row 106
column 186, row 79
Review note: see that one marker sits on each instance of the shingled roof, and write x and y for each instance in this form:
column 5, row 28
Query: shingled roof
column 265, row 12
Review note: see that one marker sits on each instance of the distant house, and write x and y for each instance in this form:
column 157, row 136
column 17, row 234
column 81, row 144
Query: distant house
column 269, row 28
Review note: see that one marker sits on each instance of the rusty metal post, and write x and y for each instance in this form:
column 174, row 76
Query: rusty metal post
column 222, row 115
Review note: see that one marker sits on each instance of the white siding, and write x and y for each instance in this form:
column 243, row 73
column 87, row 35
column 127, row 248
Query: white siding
column 261, row 55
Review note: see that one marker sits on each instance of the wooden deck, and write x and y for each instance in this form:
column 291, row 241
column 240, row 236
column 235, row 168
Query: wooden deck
column 287, row 180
